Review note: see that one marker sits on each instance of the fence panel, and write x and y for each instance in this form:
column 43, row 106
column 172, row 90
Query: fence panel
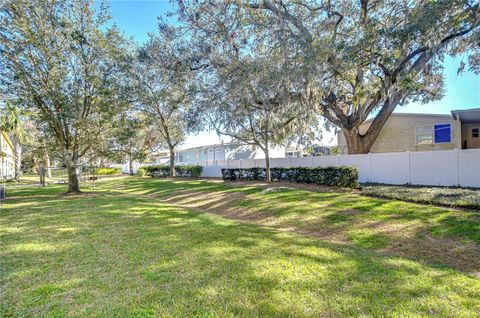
column 248, row 163
column 445, row 167
column 434, row 168
column 280, row 162
column 390, row 168
column 469, row 168
column 362, row 162
column 325, row 161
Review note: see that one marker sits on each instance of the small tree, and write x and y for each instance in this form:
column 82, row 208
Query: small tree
column 12, row 122
column 135, row 138
column 247, row 88
column 37, row 147
column 249, row 106
column 60, row 58
column 160, row 75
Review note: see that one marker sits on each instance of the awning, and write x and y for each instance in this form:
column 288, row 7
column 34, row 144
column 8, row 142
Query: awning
column 467, row 116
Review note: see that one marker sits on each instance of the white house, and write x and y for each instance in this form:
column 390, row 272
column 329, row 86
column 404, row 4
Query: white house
column 7, row 164
column 224, row 151
column 315, row 150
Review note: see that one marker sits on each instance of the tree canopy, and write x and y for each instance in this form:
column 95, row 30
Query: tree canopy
column 347, row 60
column 161, row 73
column 61, row 58
column 263, row 72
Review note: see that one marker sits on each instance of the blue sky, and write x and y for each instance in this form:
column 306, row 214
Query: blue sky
column 136, row 18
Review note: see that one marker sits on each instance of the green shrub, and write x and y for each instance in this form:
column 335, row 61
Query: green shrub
column 190, row 171
column 141, row 172
column 330, row 176
column 181, row 171
column 157, row 170
column 107, row 171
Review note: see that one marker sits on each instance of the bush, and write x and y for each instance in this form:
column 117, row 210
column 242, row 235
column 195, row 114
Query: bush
column 141, row 172
column 107, row 171
column 330, row 176
column 192, row 171
column 181, row 171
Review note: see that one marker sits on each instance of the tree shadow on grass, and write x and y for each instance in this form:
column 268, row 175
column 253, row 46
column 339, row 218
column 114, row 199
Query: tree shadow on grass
column 431, row 234
column 388, row 226
column 139, row 257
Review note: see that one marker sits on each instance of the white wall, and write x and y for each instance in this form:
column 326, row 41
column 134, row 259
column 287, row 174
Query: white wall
column 444, row 167
column 226, row 152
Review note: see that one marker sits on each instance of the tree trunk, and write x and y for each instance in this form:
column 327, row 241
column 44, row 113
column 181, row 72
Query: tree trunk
column 356, row 143
column 34, row 165
column 47, row 164
column 172, row 162
column 18, row 159
column 73, row 184
column 130, row 165
column 268, row 174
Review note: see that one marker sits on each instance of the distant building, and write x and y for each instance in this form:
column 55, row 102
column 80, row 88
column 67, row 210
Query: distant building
column 7, row 163
column 424, row 132
column 321, row 150
column 160, row 157
column 225, row 151
column 293, row 152
column 316, row 150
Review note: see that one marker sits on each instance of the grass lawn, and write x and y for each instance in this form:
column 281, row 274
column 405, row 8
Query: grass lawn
column 139, row 247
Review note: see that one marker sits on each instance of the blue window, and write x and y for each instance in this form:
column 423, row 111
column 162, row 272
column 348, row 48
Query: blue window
column 443, row 133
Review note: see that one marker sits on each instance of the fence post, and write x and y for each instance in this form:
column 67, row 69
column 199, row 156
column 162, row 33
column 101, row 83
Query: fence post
column 370, row 166
column 241, row 164
column 458, row 167
column 409, row 168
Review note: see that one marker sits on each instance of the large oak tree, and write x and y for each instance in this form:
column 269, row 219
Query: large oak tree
column 353, row 59
column 60, row 59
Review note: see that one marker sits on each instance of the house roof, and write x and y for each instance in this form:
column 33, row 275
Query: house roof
column 410, row 115
column 467, row 116
column 214, row 145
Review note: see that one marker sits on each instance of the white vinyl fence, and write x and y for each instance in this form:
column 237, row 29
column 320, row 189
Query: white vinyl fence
column 444, row 168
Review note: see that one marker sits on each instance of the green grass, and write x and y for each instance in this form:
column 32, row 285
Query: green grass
column 285, row 207
column 137, row 247
column 455, row 197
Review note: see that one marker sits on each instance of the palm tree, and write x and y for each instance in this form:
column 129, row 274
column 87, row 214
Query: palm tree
column 11, row 123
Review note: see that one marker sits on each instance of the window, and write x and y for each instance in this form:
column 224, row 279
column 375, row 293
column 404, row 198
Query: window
column 475, row 133
column 443, row 133
column 424, row 135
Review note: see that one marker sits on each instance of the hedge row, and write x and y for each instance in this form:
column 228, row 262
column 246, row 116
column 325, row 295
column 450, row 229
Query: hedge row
column 181, row 171
column 107, row 171
column 330, row 176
